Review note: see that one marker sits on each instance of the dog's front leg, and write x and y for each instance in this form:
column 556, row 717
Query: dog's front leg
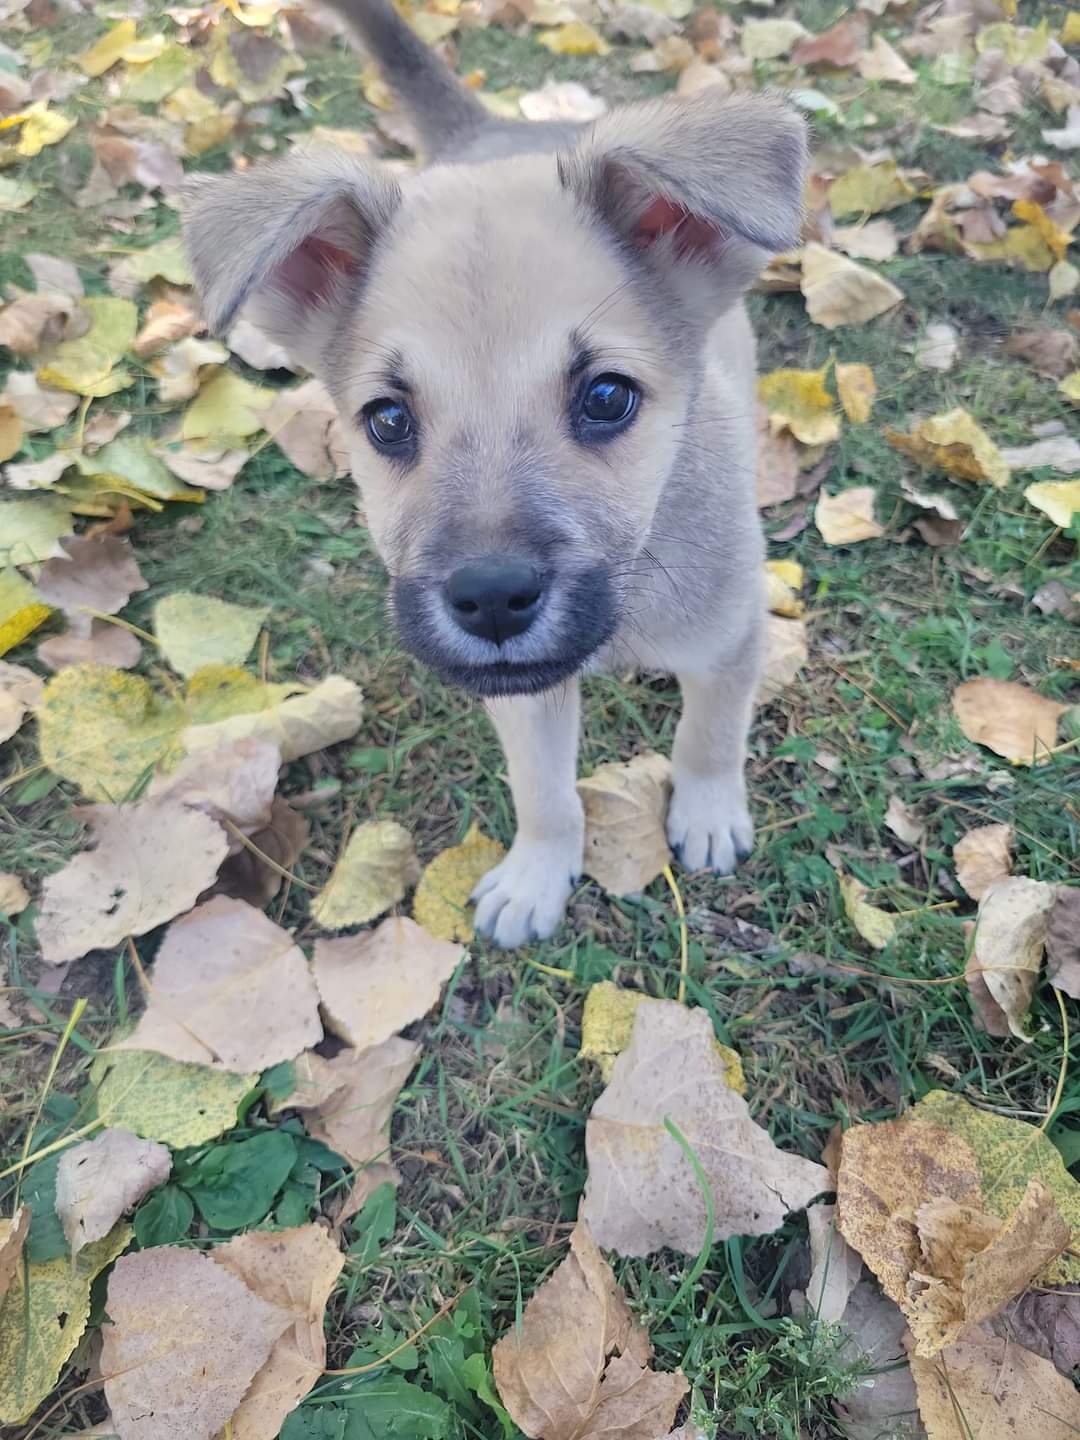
column 709, row 825
column 524, row 897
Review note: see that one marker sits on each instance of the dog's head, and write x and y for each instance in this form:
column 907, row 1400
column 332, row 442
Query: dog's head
column 514, row 347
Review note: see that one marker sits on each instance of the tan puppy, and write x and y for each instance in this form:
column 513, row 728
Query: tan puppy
column 538, row 347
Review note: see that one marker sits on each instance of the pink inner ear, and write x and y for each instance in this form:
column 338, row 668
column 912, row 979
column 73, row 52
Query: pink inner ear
column 311, row 271
column 692, row 237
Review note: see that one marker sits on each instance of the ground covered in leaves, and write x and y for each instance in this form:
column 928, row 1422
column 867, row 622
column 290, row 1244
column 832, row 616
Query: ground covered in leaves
column 285, row 1149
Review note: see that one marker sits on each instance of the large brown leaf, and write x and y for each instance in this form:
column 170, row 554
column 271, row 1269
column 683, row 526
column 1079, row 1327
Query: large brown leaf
column 642, row 1193
column 625, row 808
column 348, row 1100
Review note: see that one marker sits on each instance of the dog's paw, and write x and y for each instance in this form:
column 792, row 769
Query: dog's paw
column 709, row 825
column 523, row 898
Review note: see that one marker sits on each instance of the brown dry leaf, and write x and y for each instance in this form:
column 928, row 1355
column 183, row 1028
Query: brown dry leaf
column 14, row 898
column 885, row 65
column 1050, row 353
column 903, row 822
column 329, row 712
column 32, row 322
column 982, row 856
column 840, row 292
column 856, row 387
column 938, row 347
column 769, row 39
column 953, row 442
column 205, row 469
column 876, row 240
column 641, row 1193
column 295, row 1271
column 254, row 871
column 150, row 861
column 1047, row 1324
column 93, row 642
column 20, row 692
column 100, row 1179
column 236, row 781
column 183, row 366
column 156, row 1298
column 374, row 984
column 313, row 436
column 1009, row 719
column 847, row 517
column 777, row 463
column 838, row 47
column 1060, row 452
column 885, row 1409
column 38, row 407
column 229, row 989
column 577, row 1365
column 447, row 883
column 625, row 810
column 377, row 867
column 787, row 651
column 991, row 1389
column 348, row 1100
column 165, row 322
column 1063, row 942
column 835, row 1266
column 13, row 1235
column 1007, row 954
column 97, row 574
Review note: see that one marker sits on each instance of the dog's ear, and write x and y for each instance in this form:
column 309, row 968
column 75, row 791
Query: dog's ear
column 287, row 239
column 711, row 184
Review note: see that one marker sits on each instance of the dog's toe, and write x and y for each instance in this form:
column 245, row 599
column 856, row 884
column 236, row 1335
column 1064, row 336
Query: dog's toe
column 522, row 900
column 709, row 826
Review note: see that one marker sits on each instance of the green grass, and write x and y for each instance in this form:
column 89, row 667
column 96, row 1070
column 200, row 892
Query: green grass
column 489, row 1130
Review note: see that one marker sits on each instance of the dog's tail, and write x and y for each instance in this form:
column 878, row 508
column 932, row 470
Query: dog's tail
column 440, row 107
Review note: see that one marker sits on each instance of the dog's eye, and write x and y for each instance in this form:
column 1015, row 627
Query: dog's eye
column 609, row 400
column 389, row 423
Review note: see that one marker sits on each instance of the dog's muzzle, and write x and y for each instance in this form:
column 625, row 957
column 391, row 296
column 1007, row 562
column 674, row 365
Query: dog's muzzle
column 499, row 626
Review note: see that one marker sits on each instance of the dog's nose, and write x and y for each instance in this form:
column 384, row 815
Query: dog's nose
column 495, row 598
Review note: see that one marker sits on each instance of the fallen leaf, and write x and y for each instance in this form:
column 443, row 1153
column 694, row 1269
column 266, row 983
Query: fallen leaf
column 14, row 898
column 986, row 1387
column 98, row 898
column 42, row 1319
column 875, row 240
column 16, row 194
column 38, row 407
column 206, row 469
column 167, row 1100
column 20, row 610
column 447, row 882
column 252, row 64
column 870, row 188
column 11, row 432
column 377, row 867
column 108, row 51
column 562, row 100
column 574, row 38
column 886, row 1407
column 30, row 529
column 255, row 872
column 197, row 630
column 982, row 856
column 955, row 443
column 13, row 1234
column 313, row 436
column 777, row 463
column 769, row 39
column 295, row 1271
column 228, row 408
column 673, row 54
column 20, row 693
column 1007, row 954
column 1060, row 452
column 37, row 322
column 856, row 388
column 840, row 292
column 1068, row 137
column 625, row 811
column 165, row 322
column 835, row 1266
column 165, row 260
column 97, row 574
column 347, row 1101
column 642, row 1192
column 780, row 597
column 607, row 1022
column 91, row 642
column 101, row 1179
column 797, row 400
column 1063, row 279
column 883, row 64
column 847, row 517
column 1046, row 1324
column 374, row 984
column 1009, row 719
column 229, row 988
column 1063, row 942
column 903, row 822
column 298, row 725
column 88, row 365
column 1059, row 499
column 877, row 927
column 786, row 653
column 938, row 347
column 576, row 1364
column 228, row 1333
column 38, row 127
column 1050, row 353
column 180, row 369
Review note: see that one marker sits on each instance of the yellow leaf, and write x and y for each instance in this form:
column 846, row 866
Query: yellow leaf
column 769, row 39
column 227, row 408
column 20, row 610
column 780, row 597
column 257, row 82
column 378, row 866
column 840, row 292
column 877, row 927
column 253, row 15
column 141, row 52
column 1009, row 1154
column 1070, row 387
column 607, row 1022
column 30, row 528
column 790, row 571
column 202, row 135
column 375, row 89
column 198, row 630
column 107, row 51
column 1060, row 499
column 1010, row 719
column 86, row 366
column 1022, row 44
column 847, row 517
column 1063, row 279
column 16, row 194
column 1057, row 239
column 149, row 84
column 1070, row 30
column 40, row 126
column 446, row 884
column 42, row 1319
column 13, row 1232
column 167, row 1100
column 433, row 28
column 797, row 400
column 1025, row 245
column 11, row 433
column 953, row 442
column 575, row 38
column 856, row 387
column 870, row 189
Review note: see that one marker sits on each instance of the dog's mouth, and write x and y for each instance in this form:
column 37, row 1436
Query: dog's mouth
column 576, row 618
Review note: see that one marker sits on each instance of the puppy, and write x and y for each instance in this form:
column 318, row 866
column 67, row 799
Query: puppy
column 538, row 348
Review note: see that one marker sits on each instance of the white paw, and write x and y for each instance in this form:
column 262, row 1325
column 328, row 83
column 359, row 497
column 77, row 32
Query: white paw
column 524, row 897
column 709, row 825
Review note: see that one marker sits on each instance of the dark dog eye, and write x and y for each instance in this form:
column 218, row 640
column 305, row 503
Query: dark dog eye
column 609, row 400
column 389, row 423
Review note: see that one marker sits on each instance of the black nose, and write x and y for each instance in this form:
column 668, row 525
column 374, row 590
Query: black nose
column 494, row 599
